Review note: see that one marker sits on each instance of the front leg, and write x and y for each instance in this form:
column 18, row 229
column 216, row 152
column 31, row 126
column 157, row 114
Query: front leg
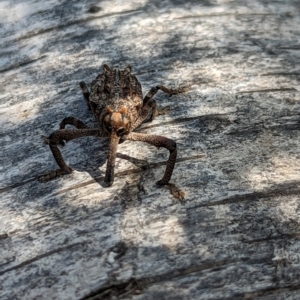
column 150, row 106
column 69, row 121
column 158, row 141
column 166, row 90
column 56, row 138
column 73, row 121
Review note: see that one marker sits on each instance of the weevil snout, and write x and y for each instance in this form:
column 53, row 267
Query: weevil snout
column 116, row 121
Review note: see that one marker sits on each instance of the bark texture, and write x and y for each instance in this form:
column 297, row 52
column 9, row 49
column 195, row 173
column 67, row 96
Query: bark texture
column 236, row 235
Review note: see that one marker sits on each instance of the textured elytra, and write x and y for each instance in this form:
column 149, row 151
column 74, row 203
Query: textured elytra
column 117, row 104
column 116, row 91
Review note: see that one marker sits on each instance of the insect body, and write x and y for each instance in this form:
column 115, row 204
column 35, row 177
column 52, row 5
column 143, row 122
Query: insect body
column 117, row 103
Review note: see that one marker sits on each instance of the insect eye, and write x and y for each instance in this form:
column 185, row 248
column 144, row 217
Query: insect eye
column 107, row 127
column 121, row 131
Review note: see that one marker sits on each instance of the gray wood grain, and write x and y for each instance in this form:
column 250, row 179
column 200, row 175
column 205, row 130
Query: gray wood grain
column 236, row 235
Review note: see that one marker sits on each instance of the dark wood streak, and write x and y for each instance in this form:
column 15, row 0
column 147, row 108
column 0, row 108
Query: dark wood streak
column 41, row 256
column 22, row 64
column 34, row 33
column 269, row 90
column 284, row 189
column 228, row 14
column 134, row 284
column 281, row 74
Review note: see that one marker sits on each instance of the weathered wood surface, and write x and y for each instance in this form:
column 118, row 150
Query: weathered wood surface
column 236, row 235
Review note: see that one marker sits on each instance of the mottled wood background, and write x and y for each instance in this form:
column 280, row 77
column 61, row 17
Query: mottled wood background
column 236, row 235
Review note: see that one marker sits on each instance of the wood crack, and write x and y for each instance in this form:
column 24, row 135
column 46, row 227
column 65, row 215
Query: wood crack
column 8, row 188
column 282, row 236
column 22, row 64
column 281, row 74
column 227, row 15
column 72, row 23
column 268, row 90
column 153, row 71
column 38, row 257
column 277, row 289
column 297, row 47
column 187, row 119
column 134, row 286
column 285, row 189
